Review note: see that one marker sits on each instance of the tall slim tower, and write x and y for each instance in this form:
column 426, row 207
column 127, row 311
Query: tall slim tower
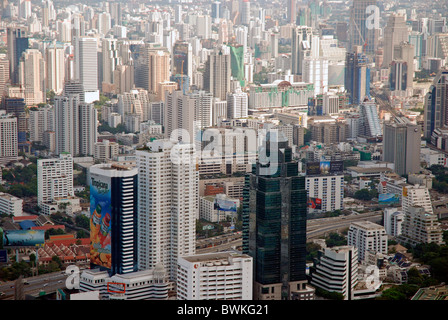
column 274, row 225
column 167, row 204
column 361, row 32
column 357, row 76
column 395, row 32
column 86, row 62
column 292, row 11
column 217, row 74
column 301, row 47
column 436, row 104
column 113, row 222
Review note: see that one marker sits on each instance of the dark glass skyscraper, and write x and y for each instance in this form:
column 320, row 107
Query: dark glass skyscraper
column 357, row 76
column 274, row 226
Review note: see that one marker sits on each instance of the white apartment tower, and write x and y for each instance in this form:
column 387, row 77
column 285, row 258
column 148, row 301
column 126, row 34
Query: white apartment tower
column 41, row 120
column 167, row 204
column 367, row 236
column 215, row 276
column 237, row 105
column 8, row 138
column 54, row 178
column 86, row 62
column 32, row 76
column 416, row 196
column 419, row 226
column 55, row 62
column 337, row 270
column 328, row 188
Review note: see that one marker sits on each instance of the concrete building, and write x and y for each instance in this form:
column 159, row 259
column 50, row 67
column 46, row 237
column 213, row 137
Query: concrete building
column 10, row 205
column 336, row 270
column 420, row 226
column 106, row 150
column 86, row 62
column 393, row 221
column 8, row 138
column 32, row 76
column 217, row 74
column 366, row 236
column 167, row 204
column 215, row 276
column 329, row 189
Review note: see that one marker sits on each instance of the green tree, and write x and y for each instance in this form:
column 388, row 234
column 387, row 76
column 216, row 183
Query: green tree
column 82, row 221
column 363, row 194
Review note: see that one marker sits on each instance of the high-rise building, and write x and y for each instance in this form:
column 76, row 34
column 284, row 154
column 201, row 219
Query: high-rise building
column 292, row 11
column 32, row 76
column 17, row 44
column 237, row 63
column 362, row 28
column 369, row 122
column 41, row 119
column 395, row 32
column 4, row 74
column 237, row 104
column 154, row 67
column 274, row 224
column 167, row 204
column 357, row 76
column 75, row 125
column 329, row 189
column 215, row 276
column 336, row 270
column 436, row 104
column 393, row 221
column 301, row 47
column 217, row 74
column 86, row 62
column 401, row 146
column 8, row 138
column 54, row 178
column 55, row 71
column 420, row 226
column 111, row 60
column 245, row 12
column 113, row 223
column 182, row 59
column 17, row 107
column 365, row 236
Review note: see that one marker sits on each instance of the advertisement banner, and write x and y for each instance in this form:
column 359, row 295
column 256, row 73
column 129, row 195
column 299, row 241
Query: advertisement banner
column 23, row 238
column 388, row 198
column 337, row 167
column 315, row 203
column 325, row 167
column 225, row 205
column 313, row 168
column 100, row 222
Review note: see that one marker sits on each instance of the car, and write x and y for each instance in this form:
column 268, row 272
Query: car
column 45, row 284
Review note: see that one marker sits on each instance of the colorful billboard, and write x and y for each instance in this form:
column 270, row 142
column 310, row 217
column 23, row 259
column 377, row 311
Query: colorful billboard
column 225, row 205
column 100, row 221
column 388, row 198
column 23, row 238
column 315, row 203
column 324, row 167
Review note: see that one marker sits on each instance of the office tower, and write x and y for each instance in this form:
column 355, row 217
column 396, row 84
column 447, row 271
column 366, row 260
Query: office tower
column 215, row 276
column 362, row 29
column 401, row 146
column 111, row 60
column 113, row 223
column 357, row 76
column 41, row 119
column 237, row 105
column 116, row 13
column 292, row 11
column 274, row 224
column 245, row 12
column 8, row 138
column 167, row 204
column 301, row 47
column 329, row 132
column 217, row 74
column 405, row 52
column 17, row 44
column 104, row 23
column 237, row 63
column 336, row 270
column 369, row 122
column 55, row 71
column 216, row 11
column 395, row 32
column 420, row 226
column 367, row 236
column 329, row 189
column 74, row 87
column 86, row 62
column 223, row 32
column 75, row 125
column 182, row 60
column 219, row 111
column 17, row 107
column 398, row 76
column 124, row 76
column 203, row 27
column 436, row 104
column 154, row 67
column 4, row 74
column 315, row 71
column 32, row 76
column 54, row 178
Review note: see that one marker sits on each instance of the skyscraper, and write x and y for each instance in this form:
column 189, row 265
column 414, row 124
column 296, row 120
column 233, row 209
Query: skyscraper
column 113, row 223
column 86, row 62
column 17, row 44
column 55, row 71
column 362, row 31
column 292, row 11
column 301, row 47
column 237, row 63
column 32, row 76
column 274, row 226
column 217, row 74
column 401, row 146
column 182, row 60
column 436, row 104
column 8, row 138
column 357, row 76
column 167, row 204
column 154, row 67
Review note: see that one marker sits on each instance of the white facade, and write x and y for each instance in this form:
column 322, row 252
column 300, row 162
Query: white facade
column 207, row 210
column 419, row 226
column 337, row 271
column 41, row 120
column 167, row 203
column 393, row 221
column 328, row 188
column 215, row 276
column 8, row 138
column 367, row 236
column 10, row 205
column 106, row 150
column 54, row 178
column 86, row 62
column 416, row 196
column 237, row 105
